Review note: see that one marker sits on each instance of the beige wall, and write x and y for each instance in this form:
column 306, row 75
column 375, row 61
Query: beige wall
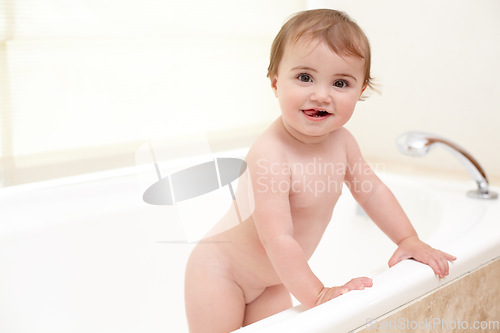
column 83, row 84
column 437, row 65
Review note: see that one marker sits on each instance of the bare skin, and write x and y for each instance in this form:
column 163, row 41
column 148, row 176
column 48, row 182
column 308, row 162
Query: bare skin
column 297, row 169
column 236, row 260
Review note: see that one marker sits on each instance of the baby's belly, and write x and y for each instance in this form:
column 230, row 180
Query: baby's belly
column 247, row 257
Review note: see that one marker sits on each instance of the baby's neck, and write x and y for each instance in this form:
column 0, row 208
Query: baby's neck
column 300, row 138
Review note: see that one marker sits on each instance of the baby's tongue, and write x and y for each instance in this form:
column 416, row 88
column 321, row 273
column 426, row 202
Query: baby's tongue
column 311, row 112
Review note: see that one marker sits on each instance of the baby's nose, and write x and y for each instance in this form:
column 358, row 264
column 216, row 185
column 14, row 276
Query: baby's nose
column 321, row 95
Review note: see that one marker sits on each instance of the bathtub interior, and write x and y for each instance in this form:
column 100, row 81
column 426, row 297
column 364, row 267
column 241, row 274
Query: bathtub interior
column 354, row 246
column 86, row 254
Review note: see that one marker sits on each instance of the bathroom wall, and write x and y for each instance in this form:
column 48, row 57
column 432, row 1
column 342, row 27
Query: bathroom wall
column 84, row 98
column 84, row 84
column 436, row 65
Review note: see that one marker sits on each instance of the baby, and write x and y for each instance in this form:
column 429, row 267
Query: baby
column 320, row 66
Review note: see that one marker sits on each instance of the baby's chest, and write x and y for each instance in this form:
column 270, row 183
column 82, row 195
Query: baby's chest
column 317, row 181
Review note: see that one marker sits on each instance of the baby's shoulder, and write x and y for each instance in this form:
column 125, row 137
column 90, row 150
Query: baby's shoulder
column 268, row 145
column 348, row 143
column 342, row 136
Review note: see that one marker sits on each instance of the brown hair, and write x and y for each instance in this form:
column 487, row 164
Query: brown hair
column 335, row 28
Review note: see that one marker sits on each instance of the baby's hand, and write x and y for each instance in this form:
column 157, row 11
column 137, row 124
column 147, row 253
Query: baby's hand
column 413, row 247
column 355, row 284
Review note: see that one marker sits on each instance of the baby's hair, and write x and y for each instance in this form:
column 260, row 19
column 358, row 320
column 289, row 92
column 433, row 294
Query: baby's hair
column 333, row 27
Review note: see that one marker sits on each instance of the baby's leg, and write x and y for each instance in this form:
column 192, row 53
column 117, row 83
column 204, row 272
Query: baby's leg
column 214, row 302
column 274, row 299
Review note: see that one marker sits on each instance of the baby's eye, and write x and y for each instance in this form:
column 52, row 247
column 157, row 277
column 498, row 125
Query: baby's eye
column 304, row 77
column 341, row 84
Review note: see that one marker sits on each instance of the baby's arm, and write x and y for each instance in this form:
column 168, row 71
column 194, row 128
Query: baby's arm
column 383, row 208
column 272, row 218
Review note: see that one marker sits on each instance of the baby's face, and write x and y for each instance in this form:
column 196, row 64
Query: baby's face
column 317, row 89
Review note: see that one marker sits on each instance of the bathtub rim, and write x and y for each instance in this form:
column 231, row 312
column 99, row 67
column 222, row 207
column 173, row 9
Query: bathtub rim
column 376, row 302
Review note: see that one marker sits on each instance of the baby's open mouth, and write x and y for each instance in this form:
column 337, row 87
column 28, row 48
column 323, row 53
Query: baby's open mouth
column 316, row 113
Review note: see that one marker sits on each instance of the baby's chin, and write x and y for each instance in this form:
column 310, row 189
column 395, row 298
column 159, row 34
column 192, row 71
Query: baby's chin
column 322, row 128
column 315, row 135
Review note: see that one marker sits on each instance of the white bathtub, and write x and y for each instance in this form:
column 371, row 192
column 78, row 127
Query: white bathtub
column 86, row 254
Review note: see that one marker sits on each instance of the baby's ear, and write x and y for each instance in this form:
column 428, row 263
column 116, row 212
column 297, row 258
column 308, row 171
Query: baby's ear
column 274, row 85
column 361, row 96
column 364, row 87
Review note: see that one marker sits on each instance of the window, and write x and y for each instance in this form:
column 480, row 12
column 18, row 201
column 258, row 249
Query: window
column 84, row 82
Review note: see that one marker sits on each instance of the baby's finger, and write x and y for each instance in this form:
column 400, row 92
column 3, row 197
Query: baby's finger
column 365, row 282
column 448, row 256
column 443, row 266
column 359, row 283
column 435, row 266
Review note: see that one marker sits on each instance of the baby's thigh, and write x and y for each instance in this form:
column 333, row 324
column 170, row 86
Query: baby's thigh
column 273, row 299
column 214, row 302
